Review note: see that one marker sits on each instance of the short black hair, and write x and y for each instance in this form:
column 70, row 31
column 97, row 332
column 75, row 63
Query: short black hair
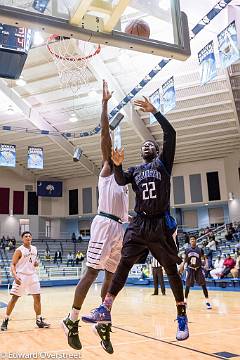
column 193, row 236
column 154, row 143
column 26, row 232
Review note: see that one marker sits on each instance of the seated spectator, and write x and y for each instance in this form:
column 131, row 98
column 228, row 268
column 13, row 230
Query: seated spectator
column 210, row 248
column 236, row 270
column 218, row 267
column 80, row 238
column 232, row 228
column 207, row 230
column 186, row 241
column 145, row 272
column 10, row 244
column 201, row 232
column 205, row 266
column 14, row 242
column 3, row 242
column 70, row 259
column 58, row 257
column 229, row 264
column 47, row 255
column 74, row 239
column 79, row 257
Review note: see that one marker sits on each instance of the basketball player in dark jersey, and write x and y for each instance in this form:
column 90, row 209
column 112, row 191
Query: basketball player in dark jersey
column 195, row 271
column 152, row 228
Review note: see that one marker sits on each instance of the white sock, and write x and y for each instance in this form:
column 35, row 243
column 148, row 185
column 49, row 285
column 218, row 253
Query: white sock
column 6, row 317
column 74, row 315
column 38, row 317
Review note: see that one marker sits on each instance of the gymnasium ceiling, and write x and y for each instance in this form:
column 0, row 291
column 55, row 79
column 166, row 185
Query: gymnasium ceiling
column 205, row 117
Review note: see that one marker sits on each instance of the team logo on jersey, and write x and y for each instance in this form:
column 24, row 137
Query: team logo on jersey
column 143, row 175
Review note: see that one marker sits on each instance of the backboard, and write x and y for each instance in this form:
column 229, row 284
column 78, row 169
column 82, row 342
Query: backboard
column 104, row 22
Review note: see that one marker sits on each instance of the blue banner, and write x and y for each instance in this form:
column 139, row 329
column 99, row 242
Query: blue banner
column 207, row 61
column 49, row 188
column 155, row 100
column 7, row 155
column 35, row 158
column 228, row 46
column 169, row 96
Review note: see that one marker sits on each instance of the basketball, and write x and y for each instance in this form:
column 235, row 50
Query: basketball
column 139, row 28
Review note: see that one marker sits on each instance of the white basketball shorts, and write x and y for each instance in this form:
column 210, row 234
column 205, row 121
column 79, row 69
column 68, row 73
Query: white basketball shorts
column 105, row 245
column 30, row 285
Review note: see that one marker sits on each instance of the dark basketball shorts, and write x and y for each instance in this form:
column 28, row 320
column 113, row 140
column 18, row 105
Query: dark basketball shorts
column 150, row 233
column 195, row 276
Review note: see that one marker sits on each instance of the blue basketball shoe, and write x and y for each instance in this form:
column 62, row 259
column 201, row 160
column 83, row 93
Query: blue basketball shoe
column 100, row 314
column 182, row 329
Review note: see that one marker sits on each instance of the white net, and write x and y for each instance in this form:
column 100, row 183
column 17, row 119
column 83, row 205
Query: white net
column 72, row 58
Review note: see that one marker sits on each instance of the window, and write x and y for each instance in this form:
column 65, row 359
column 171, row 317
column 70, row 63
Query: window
column 213, row 186
column 178, row 190
column 87, row 200
column 196, row 188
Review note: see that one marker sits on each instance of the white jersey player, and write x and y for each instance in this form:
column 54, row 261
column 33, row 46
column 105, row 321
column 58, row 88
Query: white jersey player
column 23, row 268
column 104, row 250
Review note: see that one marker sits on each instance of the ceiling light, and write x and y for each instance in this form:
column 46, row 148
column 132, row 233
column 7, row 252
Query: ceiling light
column 73, row 118
column 10, row 109
column 20, row 81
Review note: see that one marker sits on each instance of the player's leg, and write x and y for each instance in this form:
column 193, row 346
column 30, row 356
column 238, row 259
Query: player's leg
column 112, row 260
column 96, row 253
column 106, row 283
column 70, row 323
column 163, row 248
column 133, row 249
column 200, row 279
column 187, row 289
column 9, row 310
column 33, row 288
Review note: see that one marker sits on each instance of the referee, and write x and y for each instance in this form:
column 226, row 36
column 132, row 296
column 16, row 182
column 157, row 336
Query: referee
column 157, row 273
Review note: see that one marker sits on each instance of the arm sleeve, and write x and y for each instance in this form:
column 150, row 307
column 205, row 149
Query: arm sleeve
column 122, row 177
column 169, row 142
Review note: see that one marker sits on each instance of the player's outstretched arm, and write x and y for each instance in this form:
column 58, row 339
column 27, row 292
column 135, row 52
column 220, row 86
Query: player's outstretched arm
column 169, row 133
column 122, row 178
column 106, row 142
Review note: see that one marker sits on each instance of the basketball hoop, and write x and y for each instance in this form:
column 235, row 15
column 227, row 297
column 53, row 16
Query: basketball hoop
column 72, row 67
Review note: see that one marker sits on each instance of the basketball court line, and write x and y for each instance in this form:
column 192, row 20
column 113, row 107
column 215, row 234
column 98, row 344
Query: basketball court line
column 171, row 343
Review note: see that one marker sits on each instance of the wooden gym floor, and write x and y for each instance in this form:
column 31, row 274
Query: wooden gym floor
column 144, row 327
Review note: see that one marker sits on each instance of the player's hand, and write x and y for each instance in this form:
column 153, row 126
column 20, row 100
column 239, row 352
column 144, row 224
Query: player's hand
column 106, row 95
column 117, row 156
column 130, row 218
column 145, row 105
column 18, row 281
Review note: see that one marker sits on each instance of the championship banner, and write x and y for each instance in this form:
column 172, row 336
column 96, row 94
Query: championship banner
column 169, row 96
column 228, row 45
column 35, row 157
column 7, row 155
column 207, row 61
column 117, row 138
column 155, row 100
column 49, row 188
